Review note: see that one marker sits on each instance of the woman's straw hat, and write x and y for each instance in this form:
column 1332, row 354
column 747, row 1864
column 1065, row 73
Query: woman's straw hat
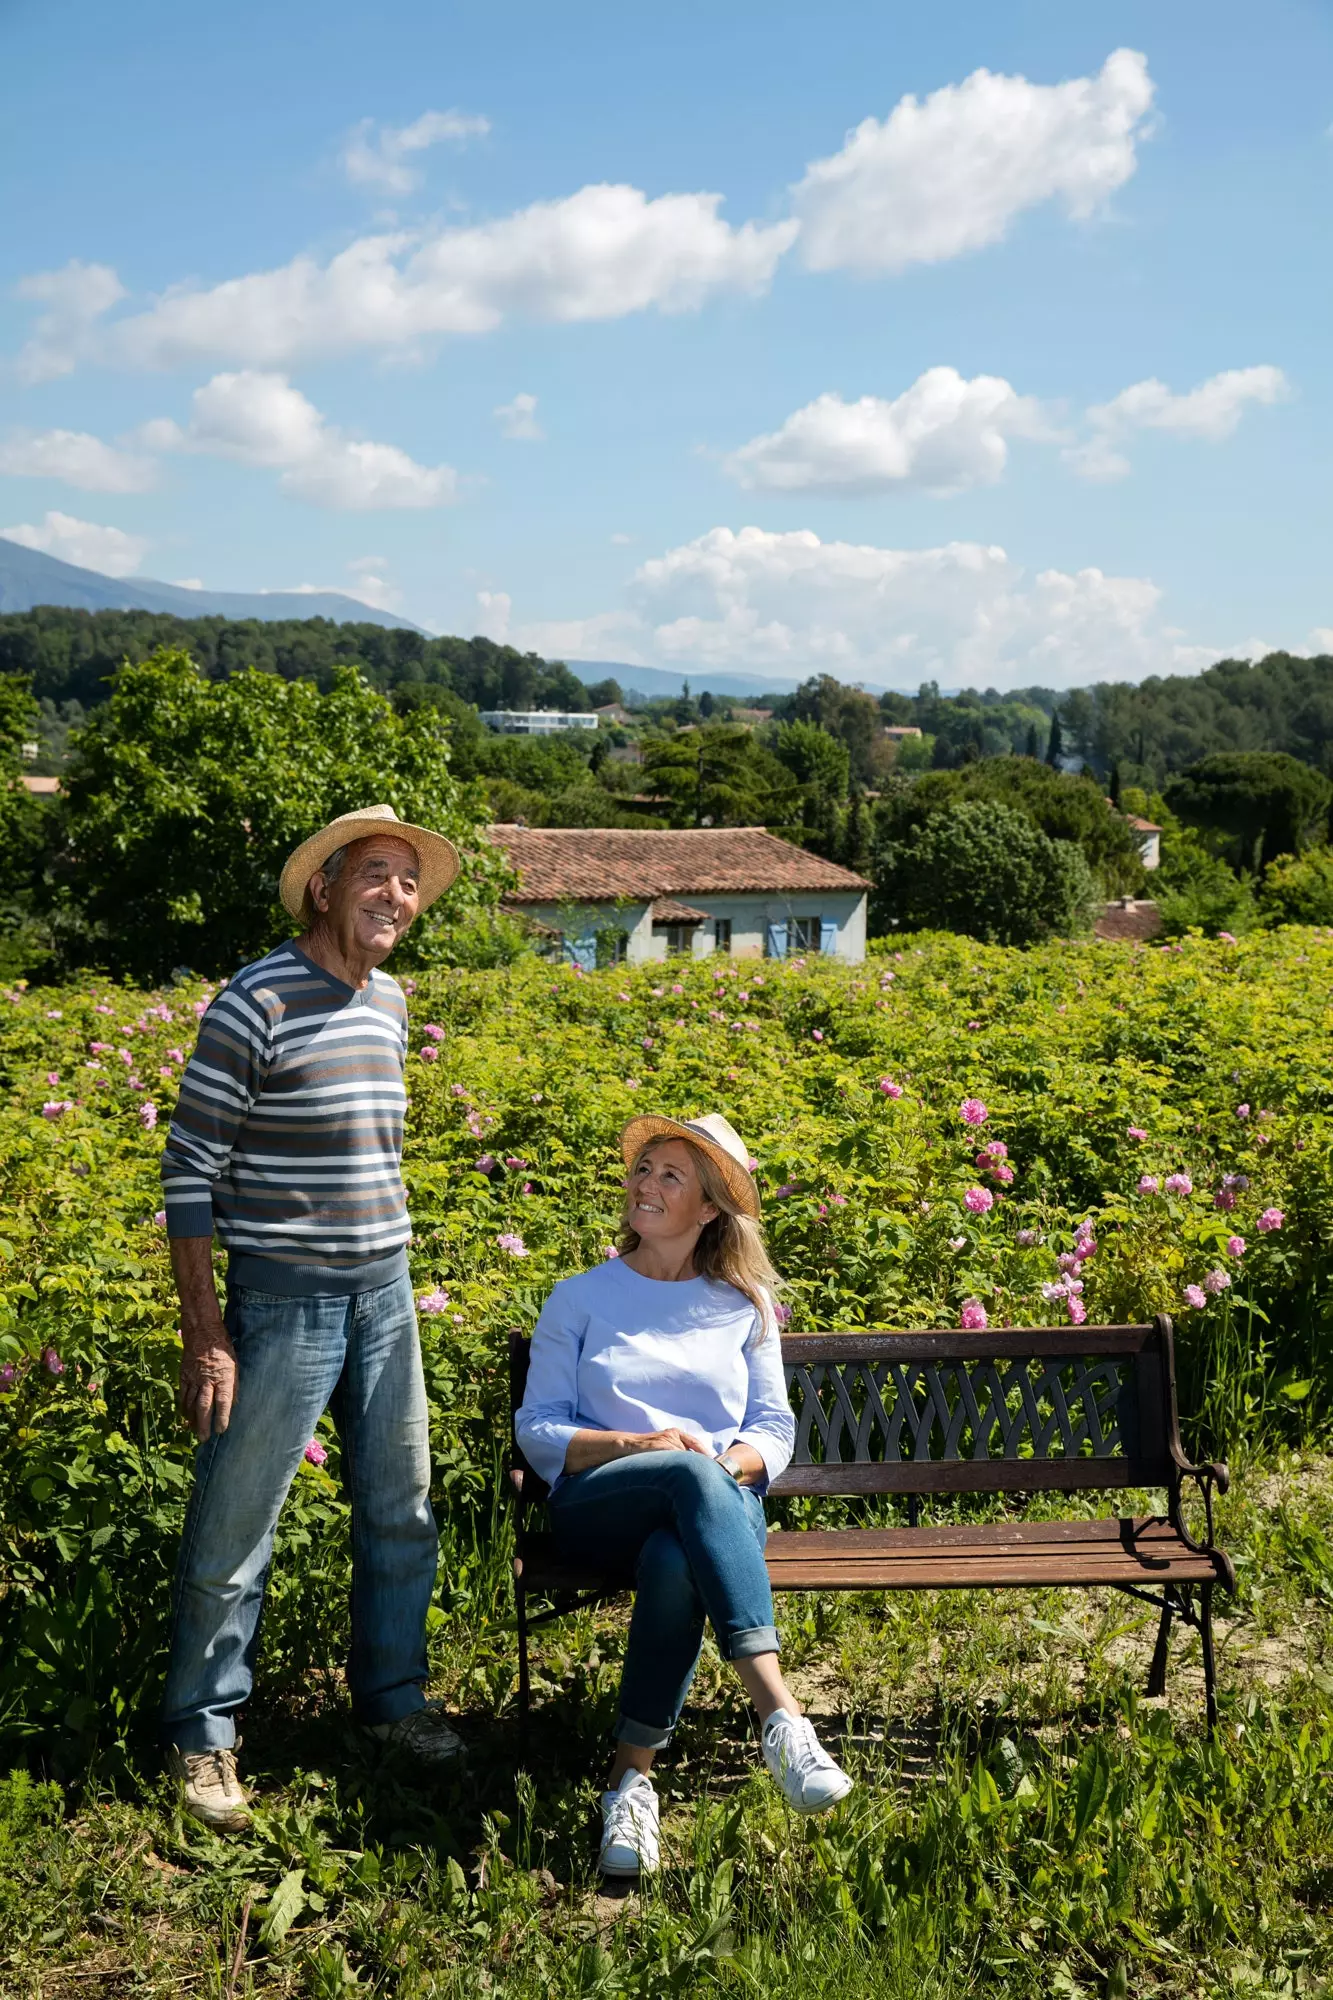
column 714, row 1136
column 438, row 856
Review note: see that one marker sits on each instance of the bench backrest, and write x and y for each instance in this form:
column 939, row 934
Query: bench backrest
column 1019, row 1410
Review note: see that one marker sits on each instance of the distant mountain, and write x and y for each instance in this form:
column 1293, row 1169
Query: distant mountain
column 29, row 578
column 660, row 683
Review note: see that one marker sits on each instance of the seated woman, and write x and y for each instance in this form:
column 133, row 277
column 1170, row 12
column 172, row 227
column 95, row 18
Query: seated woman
column 656, row 1410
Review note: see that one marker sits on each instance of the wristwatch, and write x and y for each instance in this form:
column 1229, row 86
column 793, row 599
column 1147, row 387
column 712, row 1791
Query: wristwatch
column 733, row 1466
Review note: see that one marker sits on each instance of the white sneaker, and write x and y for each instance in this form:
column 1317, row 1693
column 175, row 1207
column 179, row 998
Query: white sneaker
column 800, row 1767
column 423, row 1733
column 210, row 1788
column 630, row 1842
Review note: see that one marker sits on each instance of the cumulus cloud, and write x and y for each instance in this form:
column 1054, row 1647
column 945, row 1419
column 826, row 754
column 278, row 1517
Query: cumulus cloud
column 74, row 298
column 86, row 543
column 518, row 420
column 944, row 433
column 596, row 255
column 260, row 419
column 378, row 155
column 949, row 173
column 963, row 613
column 77, row 458
column 1211, row 412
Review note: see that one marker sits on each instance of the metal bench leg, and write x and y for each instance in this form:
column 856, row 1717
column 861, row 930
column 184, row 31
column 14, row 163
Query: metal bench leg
column 1209, row 1662
column 1157, row 1671
column 524, row 1682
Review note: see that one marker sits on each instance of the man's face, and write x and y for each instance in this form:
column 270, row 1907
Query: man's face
column 375, row 897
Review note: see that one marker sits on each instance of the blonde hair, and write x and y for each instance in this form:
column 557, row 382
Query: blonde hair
column 731, row 1247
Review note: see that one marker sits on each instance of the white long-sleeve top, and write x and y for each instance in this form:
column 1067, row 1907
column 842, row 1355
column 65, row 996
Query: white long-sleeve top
column 615, row 1351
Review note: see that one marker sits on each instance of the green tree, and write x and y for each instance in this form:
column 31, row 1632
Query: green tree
column 1055, row 742
column 25, row 944
column 718, row 775
column 185, row 795
column 1298, row 889
column 820, row 764
column 986, row 870
column 1260, row 804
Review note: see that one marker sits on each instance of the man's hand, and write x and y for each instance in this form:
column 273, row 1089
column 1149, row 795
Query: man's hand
column 208, row 1363
column 208, row 1381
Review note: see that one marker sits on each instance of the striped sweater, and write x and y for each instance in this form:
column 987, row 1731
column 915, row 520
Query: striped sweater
column 287, row 1137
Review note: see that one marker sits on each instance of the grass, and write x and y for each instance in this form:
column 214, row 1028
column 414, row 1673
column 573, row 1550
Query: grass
column 1025, row 1823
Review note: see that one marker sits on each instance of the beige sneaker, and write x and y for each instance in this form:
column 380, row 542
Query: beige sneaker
column 210, row 1788
column 423, row 1734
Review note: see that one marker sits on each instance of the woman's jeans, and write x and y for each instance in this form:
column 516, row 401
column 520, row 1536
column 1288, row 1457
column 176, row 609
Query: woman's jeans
column 695, row 1541
column 295, row 1357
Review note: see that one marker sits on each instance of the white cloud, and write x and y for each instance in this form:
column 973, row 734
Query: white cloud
column 188, row 582
column 260, row 419
column 962, row 613
column 949, row 173
column 86, row 543
column 377, row 156
column 1211, row 412
column 596, row 255
column 75, row 298
column 494, row 607
column 78, row 459
column 944, row 433
column 518, row 420
column 1321, row 638
column 621, row 541
column 372, row 584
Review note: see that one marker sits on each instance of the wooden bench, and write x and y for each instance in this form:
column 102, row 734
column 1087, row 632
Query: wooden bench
column 1021, row 1412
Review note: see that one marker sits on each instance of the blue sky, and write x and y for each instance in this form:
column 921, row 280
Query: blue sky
column 983, row 344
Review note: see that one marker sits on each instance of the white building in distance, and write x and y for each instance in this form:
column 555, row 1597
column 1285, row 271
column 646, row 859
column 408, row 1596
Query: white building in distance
column 608, row 895
column 536, row 721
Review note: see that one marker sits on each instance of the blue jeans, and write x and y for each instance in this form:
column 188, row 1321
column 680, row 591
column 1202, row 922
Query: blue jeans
column 295, row 1357
column 695, row 1542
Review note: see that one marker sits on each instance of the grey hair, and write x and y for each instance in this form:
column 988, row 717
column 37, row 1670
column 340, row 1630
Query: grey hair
column 333, row 867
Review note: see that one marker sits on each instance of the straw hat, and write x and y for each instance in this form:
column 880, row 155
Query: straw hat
column 714, row 1136
column 438, row 856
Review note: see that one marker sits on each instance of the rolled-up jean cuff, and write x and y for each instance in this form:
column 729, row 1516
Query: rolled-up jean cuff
column 643, row 1735
column 758, row 1639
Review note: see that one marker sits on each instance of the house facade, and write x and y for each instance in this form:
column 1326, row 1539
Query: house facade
column 607, row 896
column 536, row 721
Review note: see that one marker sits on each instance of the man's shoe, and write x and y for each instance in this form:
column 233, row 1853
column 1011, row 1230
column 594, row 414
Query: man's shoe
column 210, row 1788
column 799, row 1765
column 630, row 1843
column 423, row 1734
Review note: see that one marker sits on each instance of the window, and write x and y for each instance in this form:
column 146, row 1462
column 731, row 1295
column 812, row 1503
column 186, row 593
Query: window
column 722, row 934
column 612, row 947
column 804, row 934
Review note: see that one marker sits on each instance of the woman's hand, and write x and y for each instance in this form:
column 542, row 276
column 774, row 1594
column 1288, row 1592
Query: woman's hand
column 588, row 1448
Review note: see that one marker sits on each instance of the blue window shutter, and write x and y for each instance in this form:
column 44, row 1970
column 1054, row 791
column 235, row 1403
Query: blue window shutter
column 776, row 941
column 583, row 950
column 828, row 935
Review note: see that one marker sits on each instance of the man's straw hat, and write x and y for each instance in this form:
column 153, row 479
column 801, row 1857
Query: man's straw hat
column 712, row 1135
column 438, row 857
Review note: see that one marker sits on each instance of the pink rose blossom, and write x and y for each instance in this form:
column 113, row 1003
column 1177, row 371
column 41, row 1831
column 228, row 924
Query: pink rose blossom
column 972, row 1111
column 1271, row 1219
column 513, row 1243
column 1179, row 1184
column 101, row 1008
column 160, row 1219
column 199, row 1007
column 457, row 1090
column 752, row 1163
column 434, row 1030
column 53, row 1077
column 648, row 1041
column 59, row 1106
column 314, row 1453
column 958, row 1242
column 1078, row 1312
column 817, row 1034
column 1217, row 1282
column 678, row 988
column 1225, row 937
column 429, row 1053
column 1224, row 1199
column 51, row 1362
column 780, row 1194
column 1026, row 1239
column 1137, row 1132
column 1195, row 1296
column 485, row 1165
column 1235, row 1246
column 1148, row 1184
column 979, row 1200
column 515, row 1162
column 972, row 1319
column 433, row 1302
column 889, row 1087
column 610, row 1251
column 838, row 1200
column 148, row 1116
column 1242, row 1111
column 1003, row 1173
column 782, row 1314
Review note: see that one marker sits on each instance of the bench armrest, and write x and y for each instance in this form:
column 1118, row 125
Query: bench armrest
column 1207, row 1477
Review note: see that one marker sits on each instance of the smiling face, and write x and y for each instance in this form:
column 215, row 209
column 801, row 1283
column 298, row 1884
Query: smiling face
column 373, row 898
column 665, row 1199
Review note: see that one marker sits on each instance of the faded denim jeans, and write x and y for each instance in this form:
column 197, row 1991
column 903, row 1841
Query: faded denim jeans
column 296, row 1357
column 695, row 1542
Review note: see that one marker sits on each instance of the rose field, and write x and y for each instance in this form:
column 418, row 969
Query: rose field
column 951, row 1135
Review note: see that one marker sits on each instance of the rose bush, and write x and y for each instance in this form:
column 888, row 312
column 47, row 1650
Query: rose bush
column 1106, row 1079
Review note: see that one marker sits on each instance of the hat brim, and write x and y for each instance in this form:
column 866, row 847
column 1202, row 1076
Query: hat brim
column 437, row 856
column 641, row 1132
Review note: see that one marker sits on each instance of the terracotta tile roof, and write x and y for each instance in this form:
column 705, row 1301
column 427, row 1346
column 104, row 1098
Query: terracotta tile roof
column 665, row 911
column 1128, row 922
column 1143, row 825
column 598, row 864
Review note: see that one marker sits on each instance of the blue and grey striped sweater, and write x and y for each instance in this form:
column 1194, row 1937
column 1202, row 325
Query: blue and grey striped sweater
column 287, row 1138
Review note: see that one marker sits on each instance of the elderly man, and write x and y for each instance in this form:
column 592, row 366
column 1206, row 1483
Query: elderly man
column 287, row 1143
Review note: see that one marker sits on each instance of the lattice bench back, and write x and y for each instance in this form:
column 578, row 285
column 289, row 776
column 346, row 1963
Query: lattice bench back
column 1023, row 1410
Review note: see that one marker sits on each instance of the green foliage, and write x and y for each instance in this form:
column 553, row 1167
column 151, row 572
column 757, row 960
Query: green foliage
column 718, row 775
column 24, row 942
column 986, row 870
column 1298, row 889
column 185, row 796
column 1063, row 807
column 1260, row 804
